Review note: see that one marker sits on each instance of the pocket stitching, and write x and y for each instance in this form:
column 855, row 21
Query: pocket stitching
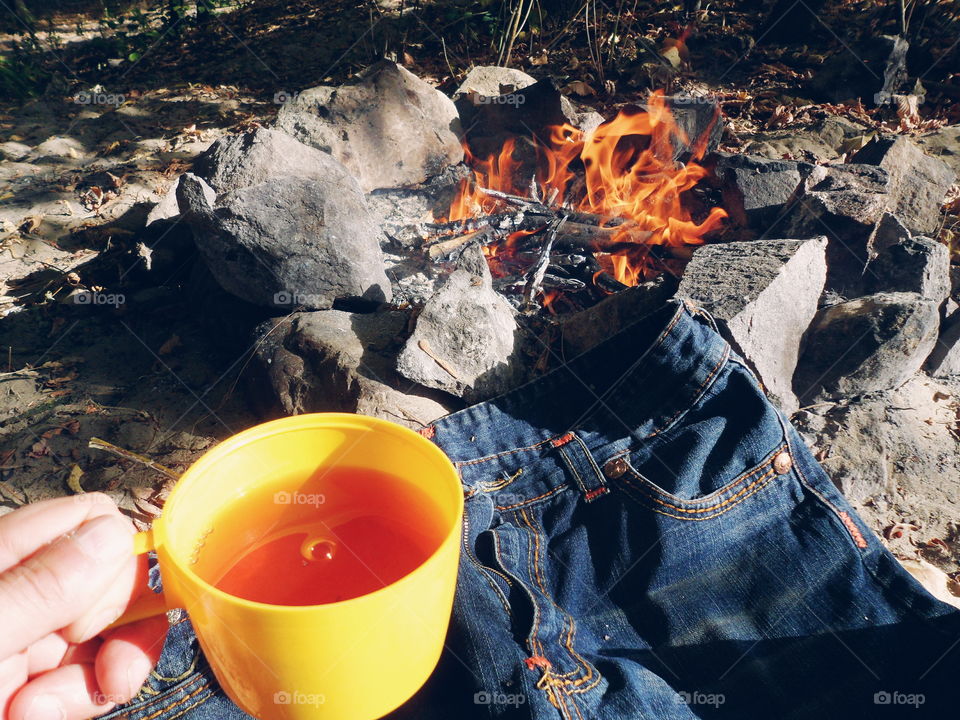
column 757, row 488
column 648, row 486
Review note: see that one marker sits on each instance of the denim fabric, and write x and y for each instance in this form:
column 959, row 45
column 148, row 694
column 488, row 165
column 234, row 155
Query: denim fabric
column 646, row 536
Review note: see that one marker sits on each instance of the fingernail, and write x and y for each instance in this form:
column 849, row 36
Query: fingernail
column 104, row 538
column 45, row 707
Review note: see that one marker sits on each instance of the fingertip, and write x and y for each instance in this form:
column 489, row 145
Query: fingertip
column 127, row 656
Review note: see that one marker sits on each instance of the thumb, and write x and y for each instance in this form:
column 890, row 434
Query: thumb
column 63, row 581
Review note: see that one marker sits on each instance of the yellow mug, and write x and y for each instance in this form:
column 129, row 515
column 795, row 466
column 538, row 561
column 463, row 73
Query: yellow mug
column 350, row 660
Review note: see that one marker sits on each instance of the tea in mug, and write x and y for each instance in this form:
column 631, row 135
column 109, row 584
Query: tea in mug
column 342, row 533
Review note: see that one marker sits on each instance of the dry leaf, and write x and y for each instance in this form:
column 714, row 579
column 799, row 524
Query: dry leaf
column 579, row 87
column 52, row 432
column 73, row 479
column 30, row 224
column 39, row 449
column 170, row 345
column 72, row 426
column 540, row 59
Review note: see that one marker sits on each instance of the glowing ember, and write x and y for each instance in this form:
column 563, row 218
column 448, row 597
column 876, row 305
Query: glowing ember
column 628, row 172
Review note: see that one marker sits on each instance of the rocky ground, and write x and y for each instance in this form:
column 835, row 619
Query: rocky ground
column 113, row 327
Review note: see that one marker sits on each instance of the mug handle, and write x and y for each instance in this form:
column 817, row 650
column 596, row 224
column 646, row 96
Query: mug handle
column 149, row 604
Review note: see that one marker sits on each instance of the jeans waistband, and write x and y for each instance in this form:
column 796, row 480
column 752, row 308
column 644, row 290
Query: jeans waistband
column 628, row 389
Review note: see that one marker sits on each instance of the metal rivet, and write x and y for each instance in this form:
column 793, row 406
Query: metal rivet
column 615, row 468
column 782, row 463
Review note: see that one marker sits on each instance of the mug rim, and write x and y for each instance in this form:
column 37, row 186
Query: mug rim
column 284, row 424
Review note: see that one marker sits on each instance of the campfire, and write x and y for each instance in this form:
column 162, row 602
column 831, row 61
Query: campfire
column 600, row 211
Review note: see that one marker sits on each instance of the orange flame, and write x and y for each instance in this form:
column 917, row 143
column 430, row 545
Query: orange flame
column 628, row 172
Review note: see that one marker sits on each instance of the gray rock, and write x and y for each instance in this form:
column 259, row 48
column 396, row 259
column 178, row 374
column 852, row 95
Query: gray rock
column 868, row 344
column 763, row 295
column 844, row 202
column 756, row 190
column 168, row 209
column 894, row 454
column 917, row 184
column 888, row 231
column 333, row 361
column 528, row 111
column 826, row 140
column 919, row 265
column 490, row 81
column 290, row 241
column 466, row 341
column 253, row 157
column 390, row 129
column 588, row 328
column 944, row 144
column 700, row 120
column 945, row 358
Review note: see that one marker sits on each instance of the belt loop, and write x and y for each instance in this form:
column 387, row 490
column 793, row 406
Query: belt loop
column 695, row 310
column 587, row 475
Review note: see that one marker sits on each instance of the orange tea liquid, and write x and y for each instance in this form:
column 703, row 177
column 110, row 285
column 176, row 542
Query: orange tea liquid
column 339, row 534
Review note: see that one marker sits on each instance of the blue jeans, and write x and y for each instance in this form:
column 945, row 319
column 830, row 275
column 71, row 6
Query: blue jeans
column 646, row 536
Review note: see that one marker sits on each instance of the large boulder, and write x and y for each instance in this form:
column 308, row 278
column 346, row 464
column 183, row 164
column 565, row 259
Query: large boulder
column 917, row 182
column 763, row 295
column 466, row 340
column 894, row 454
column 391, row 129
column 868, row 344
column 756, row 189
column 845, row 202
column 290, row 241
column 253, row 157
column 333, row 361
column 919, row 265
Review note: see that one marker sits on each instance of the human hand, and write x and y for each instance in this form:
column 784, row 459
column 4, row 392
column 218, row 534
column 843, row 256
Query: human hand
column 67, row 571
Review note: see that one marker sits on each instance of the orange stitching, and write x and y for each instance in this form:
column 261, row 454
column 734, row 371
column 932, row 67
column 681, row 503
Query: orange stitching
column 558, row 488
column 505, row 452
column 500, row 483
column 708, row 517
column 722, row 491
column 571, row 630
column 163, row 693
column 729, row 500
column 562, row 440
column 853, row 529
column 181, row 701
column 188, row 709
column 696, row 395
column 476, row 562
column 537, row 578
column 597, row 493
column 709, row 508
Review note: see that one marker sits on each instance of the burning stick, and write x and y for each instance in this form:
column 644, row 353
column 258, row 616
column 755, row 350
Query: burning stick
column 539, row 269
column 444, row 249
